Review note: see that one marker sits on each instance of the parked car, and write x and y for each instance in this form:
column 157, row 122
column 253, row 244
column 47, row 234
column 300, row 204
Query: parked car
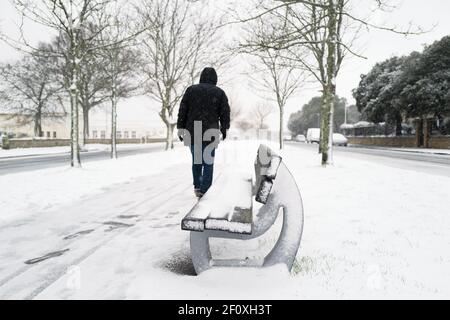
column 300, row 138
column 313, row 135
column 340, row 140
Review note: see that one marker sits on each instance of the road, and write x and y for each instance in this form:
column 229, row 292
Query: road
column 419, row 162
column 31, row 163
column 430, row 163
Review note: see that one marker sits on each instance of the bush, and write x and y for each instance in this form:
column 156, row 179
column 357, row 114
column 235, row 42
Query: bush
column 446, row 130
column 5, row 142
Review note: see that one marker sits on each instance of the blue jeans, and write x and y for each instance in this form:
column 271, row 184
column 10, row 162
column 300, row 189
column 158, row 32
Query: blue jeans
column 203, row 168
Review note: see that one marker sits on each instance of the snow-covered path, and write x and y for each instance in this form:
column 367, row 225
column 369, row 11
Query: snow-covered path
column 77, row 232
column 371, row 231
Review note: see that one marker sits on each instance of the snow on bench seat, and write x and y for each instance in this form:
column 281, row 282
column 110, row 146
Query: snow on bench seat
column 227, row 206
column 266, row 169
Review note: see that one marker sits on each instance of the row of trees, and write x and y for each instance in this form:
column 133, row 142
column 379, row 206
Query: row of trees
column 254, row 117
column 312, row 36
column 291, row 40
column 83, row 64
column 309, row 116
column 31, row 89
column 413, row 86
column 104, row 51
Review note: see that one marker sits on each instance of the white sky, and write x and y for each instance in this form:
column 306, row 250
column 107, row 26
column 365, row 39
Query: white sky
column 376, row 46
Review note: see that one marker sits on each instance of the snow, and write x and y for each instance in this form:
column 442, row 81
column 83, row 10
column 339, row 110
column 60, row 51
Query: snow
column 347, row 126
column 371, row 231
column 363, row 124
column 28, row 193
column 421, row 150
column 28, row 152
column 233, row 189
column 32, row 152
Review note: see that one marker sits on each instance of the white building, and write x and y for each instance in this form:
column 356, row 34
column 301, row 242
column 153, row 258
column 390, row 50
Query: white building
column 23, row 126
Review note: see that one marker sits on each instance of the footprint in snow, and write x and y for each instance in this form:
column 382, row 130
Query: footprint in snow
column 128, row 216
column 113, row 225
column 78, row 234
column 46, row 257
column 172, row 214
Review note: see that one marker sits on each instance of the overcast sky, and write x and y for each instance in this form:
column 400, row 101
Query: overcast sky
column 375, row 45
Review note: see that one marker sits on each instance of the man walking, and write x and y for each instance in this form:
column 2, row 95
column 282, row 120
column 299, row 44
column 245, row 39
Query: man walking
column 204, row 115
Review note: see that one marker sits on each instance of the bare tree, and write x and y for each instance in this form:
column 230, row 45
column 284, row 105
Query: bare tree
column 244, row 125
column 260, row 113
column 236, row 108
column 93, row 84
column 70, row 20
column 92, row 81
column 272, row 73
column 277, row 79
column 121, row 65
column 30, row 91
column 326, row 29
column 180, row 41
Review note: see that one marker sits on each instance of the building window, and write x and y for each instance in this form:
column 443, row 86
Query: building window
column 126, row 135
column 103, row 134
column 133, row 134
column 94, row 134
column 48, row 134
column 119, row 135
column 54, row 134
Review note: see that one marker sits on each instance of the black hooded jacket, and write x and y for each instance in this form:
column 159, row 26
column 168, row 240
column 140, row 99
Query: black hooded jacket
column 204, row 102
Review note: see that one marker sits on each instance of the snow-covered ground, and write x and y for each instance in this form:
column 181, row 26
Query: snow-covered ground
column 421, row 150
column 371, row 231
column 409, row 150
column 25, row 152
column 28, row 193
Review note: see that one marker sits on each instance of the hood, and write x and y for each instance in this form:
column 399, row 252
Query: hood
column 209, row 75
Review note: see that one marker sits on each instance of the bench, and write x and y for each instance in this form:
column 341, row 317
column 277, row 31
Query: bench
column 227, row 211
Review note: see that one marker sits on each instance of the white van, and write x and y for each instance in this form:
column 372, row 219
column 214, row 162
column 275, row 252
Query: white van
column 313, row 135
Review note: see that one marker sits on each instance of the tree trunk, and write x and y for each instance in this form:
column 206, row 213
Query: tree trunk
column 73, row 92
column 75, row 145
column 325, row 127
column 169, row 138
column 114, row 125
column 398, row 125
column 38, row 123
column 330, row 86
column 427, row 125
column 86, row 122
column 281, row 127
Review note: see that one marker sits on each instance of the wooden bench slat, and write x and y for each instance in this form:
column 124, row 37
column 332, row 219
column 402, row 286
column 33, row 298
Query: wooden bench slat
column 195, row 219
column 226, row 207
column 238, row 216
column 228, row 204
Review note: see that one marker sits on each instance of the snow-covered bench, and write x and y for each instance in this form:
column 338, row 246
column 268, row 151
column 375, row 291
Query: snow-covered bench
column 226, row 211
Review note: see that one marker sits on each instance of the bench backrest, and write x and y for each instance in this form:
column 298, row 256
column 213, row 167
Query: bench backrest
column 266, row 168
